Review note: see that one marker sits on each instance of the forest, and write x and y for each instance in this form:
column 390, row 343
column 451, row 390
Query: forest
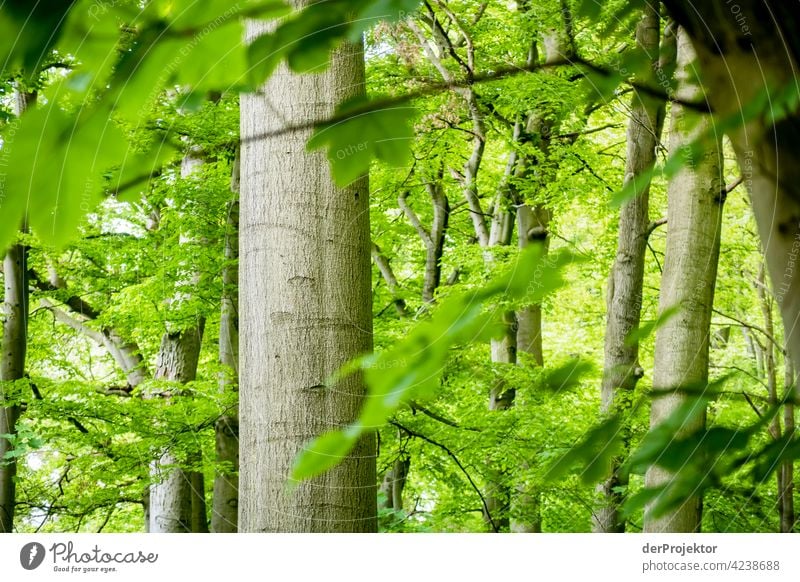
column 399, row 266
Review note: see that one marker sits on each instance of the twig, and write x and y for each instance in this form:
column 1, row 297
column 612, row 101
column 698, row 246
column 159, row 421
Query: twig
column 457, row 462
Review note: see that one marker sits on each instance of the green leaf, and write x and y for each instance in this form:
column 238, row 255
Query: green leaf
column 324, row 452
column 362, row 133
column 566, row 376
column 644, row 331
column 411, row 369
column 55, row 171
column 593, row 455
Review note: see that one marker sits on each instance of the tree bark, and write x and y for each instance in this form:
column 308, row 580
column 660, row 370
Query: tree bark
column 626, row 279
column 394, row 481
column 12, row 367
column 742, row 52
column 225, row 503
column 171, row 495
column 14, row 348
column 432, row 238
column 695, row 198
column 786, row 488
column 306, row 307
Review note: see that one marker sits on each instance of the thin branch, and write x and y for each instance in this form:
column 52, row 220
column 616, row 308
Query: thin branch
column 439, row 87
column 654, row 225
column 453, row 456
column 439, row 418
column 760, row 330
column 424, row 234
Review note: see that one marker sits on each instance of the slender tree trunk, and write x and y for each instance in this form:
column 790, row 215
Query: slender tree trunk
column 432, row 238
column 306, row 307
column 394, row 481
column 197, row 484
column 625, row 281
column 786, row 483
column 12, row 367
column 225, row 509
column 695, row 199
column 533, row 224
column 171, row 489
column 14, row 348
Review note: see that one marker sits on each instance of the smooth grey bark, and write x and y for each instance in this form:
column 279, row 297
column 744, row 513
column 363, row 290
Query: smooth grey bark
column 12, row 367
column 394, row 481
column 306, row 307
column 741, row 55
column 695, row 198
column 225, row 501
column 177, row 494
column 14, row 347
column 434, row 237
column 171, row 493
column 625, row 281
column 385, row 267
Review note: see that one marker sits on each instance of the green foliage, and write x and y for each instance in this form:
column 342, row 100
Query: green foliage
column 362, row 132
column 411, row 369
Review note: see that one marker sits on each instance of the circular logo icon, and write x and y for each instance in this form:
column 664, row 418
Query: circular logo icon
column 31, row 555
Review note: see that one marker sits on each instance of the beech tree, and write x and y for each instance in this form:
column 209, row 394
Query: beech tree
column 305, row 306
column 622, row 369
column 533, row 239
column 696, row 195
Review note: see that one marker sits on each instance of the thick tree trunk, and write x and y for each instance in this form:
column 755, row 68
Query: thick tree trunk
column 171, row 487
column 744, row 49
column 625, row 282
column 14, row 348
column 225, row 505
column 695, row 199
column 306, row 307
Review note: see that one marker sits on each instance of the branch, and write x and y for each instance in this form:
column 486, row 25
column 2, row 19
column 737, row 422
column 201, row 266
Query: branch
column 760, row 330
column 653, row 226
column 438, row 417
column 452, row 455
column 414, row 219
column 382, row 262
column 74, row 302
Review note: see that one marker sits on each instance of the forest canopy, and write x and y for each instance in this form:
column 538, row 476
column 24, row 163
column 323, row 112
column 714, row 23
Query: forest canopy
column 402, row 266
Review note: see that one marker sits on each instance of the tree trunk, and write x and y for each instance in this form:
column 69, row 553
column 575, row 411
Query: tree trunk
column 626, row 279
column 12, row 367
column 306, row 306
column 394, row 481
column 225, row 505
column 786, row 483
column 197, row 485
column 434, row 238
column 736, row 47
column 695, row 198
column 14, row 348
column 171, row 486
column 533, row 224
